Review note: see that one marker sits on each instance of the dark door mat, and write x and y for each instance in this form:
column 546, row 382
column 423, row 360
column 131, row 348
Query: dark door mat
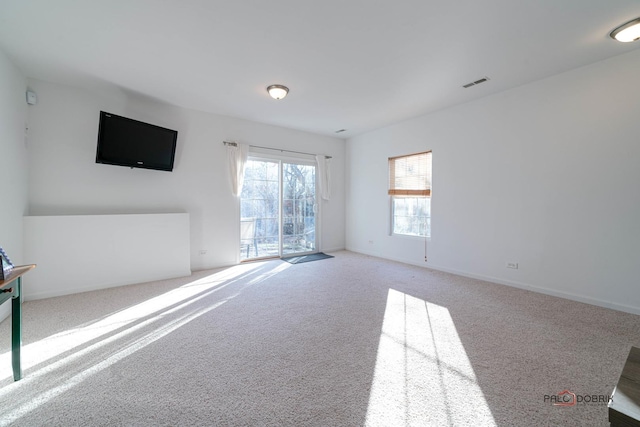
column 306, row 258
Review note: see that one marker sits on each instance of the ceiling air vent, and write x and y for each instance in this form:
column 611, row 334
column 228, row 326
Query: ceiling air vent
column 477, row 82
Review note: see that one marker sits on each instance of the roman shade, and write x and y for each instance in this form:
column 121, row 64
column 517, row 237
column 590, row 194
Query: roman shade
column 410, row 175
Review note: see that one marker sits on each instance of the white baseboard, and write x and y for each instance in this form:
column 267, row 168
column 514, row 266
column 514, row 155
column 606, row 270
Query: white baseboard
column 76, row 290
column 514, row 284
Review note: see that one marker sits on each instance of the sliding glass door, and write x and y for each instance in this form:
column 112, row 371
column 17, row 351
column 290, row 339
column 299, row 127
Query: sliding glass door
column 277, row 209
column 298, row 208
column 260, row 210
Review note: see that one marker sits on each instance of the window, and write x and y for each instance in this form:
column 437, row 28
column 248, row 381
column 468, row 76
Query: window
column 410, row 191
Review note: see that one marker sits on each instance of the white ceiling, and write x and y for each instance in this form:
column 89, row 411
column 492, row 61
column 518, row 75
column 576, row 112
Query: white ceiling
column 349, row 64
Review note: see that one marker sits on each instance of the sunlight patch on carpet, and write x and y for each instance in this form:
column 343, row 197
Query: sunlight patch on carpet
column 124, row 322
column 151, row 312
column 422, row 374
column 43, row 398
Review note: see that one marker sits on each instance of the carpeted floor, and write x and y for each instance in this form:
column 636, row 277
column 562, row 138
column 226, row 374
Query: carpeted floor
column 348, row 341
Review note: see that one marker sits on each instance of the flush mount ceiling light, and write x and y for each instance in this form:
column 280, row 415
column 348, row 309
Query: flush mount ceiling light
column 278, row 91
column 628, row 32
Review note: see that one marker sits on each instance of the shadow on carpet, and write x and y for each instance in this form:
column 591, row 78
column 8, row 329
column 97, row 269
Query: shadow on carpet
column 306, row 258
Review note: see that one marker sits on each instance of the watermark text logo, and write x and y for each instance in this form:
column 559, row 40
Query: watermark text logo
column 568, row 398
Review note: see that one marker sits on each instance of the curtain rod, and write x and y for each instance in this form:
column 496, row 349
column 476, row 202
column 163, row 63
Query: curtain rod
column 235, row 144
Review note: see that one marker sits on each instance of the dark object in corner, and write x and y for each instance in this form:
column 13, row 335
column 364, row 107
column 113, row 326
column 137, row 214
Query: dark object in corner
column 624, row 407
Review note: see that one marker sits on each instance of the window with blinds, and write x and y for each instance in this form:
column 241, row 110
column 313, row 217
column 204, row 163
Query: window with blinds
column 410, row 191
column 410, row 175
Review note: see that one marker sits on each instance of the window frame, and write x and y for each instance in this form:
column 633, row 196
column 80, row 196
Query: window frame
column 418, row 188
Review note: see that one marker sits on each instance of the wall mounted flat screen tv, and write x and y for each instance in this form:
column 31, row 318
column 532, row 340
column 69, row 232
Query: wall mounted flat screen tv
column 128, row 142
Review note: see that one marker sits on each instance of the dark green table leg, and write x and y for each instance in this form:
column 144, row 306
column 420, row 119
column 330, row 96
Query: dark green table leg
column 16, row 330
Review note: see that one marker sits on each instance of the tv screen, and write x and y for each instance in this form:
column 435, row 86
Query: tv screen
column 128, row 142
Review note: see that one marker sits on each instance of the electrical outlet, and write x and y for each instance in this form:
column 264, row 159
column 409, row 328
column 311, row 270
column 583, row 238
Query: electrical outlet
column 203, row 251
column 513, row 265
column 371, row 242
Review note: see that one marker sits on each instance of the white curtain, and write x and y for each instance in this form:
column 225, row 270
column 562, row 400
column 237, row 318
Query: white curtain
column 324, row 176
column 237, row 156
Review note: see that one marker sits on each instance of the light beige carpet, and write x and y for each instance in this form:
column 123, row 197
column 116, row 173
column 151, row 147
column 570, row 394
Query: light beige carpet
column 347, row 341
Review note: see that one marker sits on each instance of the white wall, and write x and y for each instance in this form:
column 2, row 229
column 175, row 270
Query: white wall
column 65, row 180
column 545, row 175
column 13, row 162
column 79, row 253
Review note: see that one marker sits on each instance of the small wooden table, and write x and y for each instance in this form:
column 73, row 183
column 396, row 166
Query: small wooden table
column 624, row 407
column 11, row 287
